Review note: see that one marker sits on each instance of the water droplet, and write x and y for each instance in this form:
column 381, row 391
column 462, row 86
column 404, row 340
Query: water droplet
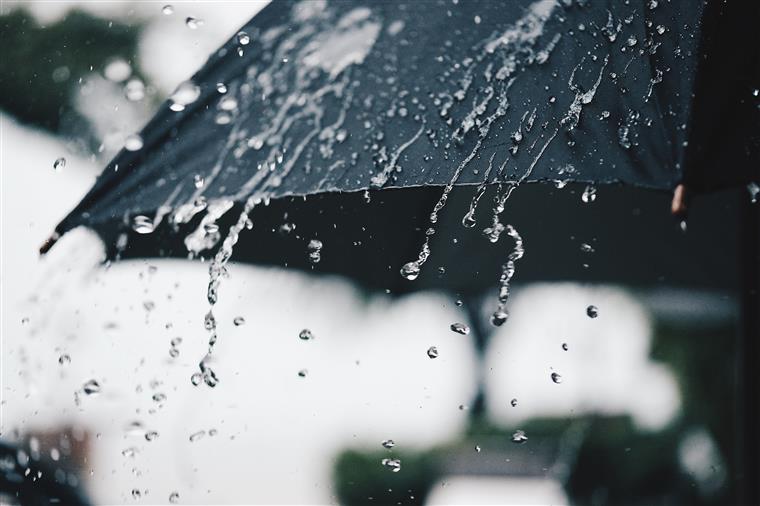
column 136, row 494
column 460, row 328
column 134, row 90
column 592, row 311
column 64, row 359
column 168, row 10
column 133, row 143
column 587, row 248
column 477, row 20
column 388, row 443
column 243, row 38
column 228, row 104
column 195, row 436
column 193, row 23
column 477, row 449
column 129, row 452
column 519, row 437
column 286, row 228
column 682, row 224
column 159, row 397
column 305, row 335
column 556, row 378
column 91, row 387
column 302, row 373
column 754, row 190
column 196, row 378
column 174, row 497
column 185, row 94
column 238, row 321
column 142, row 224
column 221, row 88
column 59, row 164
column 499, row 317
column 660, row 29
column 151, row 435
column 393, row 464
column 589, row 194
column 631, row 41
column 117, row 70
column 513, row 403
column 410, row 270
column 564, row 346
column 315, row 248
column 432, row 352
column 198, row 181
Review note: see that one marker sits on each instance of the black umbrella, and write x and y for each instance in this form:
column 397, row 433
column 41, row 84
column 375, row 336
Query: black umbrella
column 338, row 132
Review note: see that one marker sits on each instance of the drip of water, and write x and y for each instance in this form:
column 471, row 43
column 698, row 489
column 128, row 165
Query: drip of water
column 469, row 219
column 215, row 271
column 507, row 271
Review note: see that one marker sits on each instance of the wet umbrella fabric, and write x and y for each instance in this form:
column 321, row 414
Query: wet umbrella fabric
column 315, row 98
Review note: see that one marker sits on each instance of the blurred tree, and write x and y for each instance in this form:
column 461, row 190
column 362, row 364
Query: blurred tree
column 43, row 68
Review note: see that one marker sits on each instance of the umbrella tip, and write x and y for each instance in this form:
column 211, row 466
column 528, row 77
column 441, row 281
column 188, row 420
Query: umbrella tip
column 49, row 243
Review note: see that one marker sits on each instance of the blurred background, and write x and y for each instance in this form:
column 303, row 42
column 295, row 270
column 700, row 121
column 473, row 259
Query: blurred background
column 634, row 406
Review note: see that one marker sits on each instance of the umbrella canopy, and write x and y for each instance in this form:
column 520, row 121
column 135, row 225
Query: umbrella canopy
column 339, row 100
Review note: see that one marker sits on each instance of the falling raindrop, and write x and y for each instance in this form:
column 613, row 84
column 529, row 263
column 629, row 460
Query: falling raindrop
column 682, row 225
column 388, row 443
column 519, row 437
column 393, row 464
column 64, row 359
column 513, row 403
column 134, row 90
column 142, row 224
column 564, row 346
column 133, row 142
column 477, row 20
column 478, row 449
column 432, row 352
column 193, row 23
column 91, row 387
column 754, row 190
column 556, row 378
column 302, row 373
column 592, row 311
column 410, row 270
column 460, row 328
column 168, row 10
column 195, row 436
column 305, row 335
column 238, row 321
column 499, row 317
column 117, row 70
column 198, row 181
column 589, row 194
column 185, row 94
column 315, row 249
column 243, row 38
column 59, row 164
column 174, row 497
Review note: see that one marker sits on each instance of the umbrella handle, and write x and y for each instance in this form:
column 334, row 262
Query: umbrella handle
column 680, row 203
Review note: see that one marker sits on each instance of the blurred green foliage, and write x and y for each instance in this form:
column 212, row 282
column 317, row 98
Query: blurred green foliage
column 41, row 66
column 360, row 478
